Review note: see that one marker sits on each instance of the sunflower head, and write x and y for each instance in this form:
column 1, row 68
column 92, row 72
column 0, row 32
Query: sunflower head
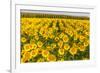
column 56, row 39
column 36, row 37
column 73, row 50
column 65, row 38
column 23, row 39
column 40, row 44
column 27, row 47
column 61, row 51
column 66, row 47
column 82, row 48
column 51, row 58
column 60, row 43
column 34, row 53
column 45, row 53
column 34, row 46
column 26, row 57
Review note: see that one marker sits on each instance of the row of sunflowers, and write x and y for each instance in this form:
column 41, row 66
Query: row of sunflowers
column 54, row 39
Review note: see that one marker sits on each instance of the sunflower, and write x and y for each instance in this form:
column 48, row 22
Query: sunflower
column 45, row 53
column 27, row 47
column 82, row 48
column 81, row 38
column 60, row 43
column 39, row 50
column 26, row 57
column 66, row 47
column 86, row 33
column 33, row 46
column 23, row 39
column 61, row 51
column 39, row 44
column 65, row 38
column 70, row 32
column 73, row 50
column 51, row 58
column 56, row 39
column 34, row 53
column 86, row 43
column 36, row 37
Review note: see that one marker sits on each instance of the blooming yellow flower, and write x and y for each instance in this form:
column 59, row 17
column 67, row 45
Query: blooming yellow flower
column 81, row 37
column 23, row 39
column 40, row 50
column 86, row 33
column 36, row 37
column 60, row 43
column 39, row 44
column 33, row 46
column 51, row 58
column 45, row 53
column 86, row 43
column 73, row 50
column 27, row 47
column 34, row 53
column 26, row 57
column 61, row 51
column 56, row 38
column 65, row 38
column 66, row 47
column 60, row 30
column 82, row 48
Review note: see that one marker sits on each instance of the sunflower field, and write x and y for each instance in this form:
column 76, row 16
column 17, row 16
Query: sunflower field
column 51, row 38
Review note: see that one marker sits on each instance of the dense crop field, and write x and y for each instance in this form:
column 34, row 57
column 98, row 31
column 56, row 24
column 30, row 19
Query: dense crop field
column 48, row 38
